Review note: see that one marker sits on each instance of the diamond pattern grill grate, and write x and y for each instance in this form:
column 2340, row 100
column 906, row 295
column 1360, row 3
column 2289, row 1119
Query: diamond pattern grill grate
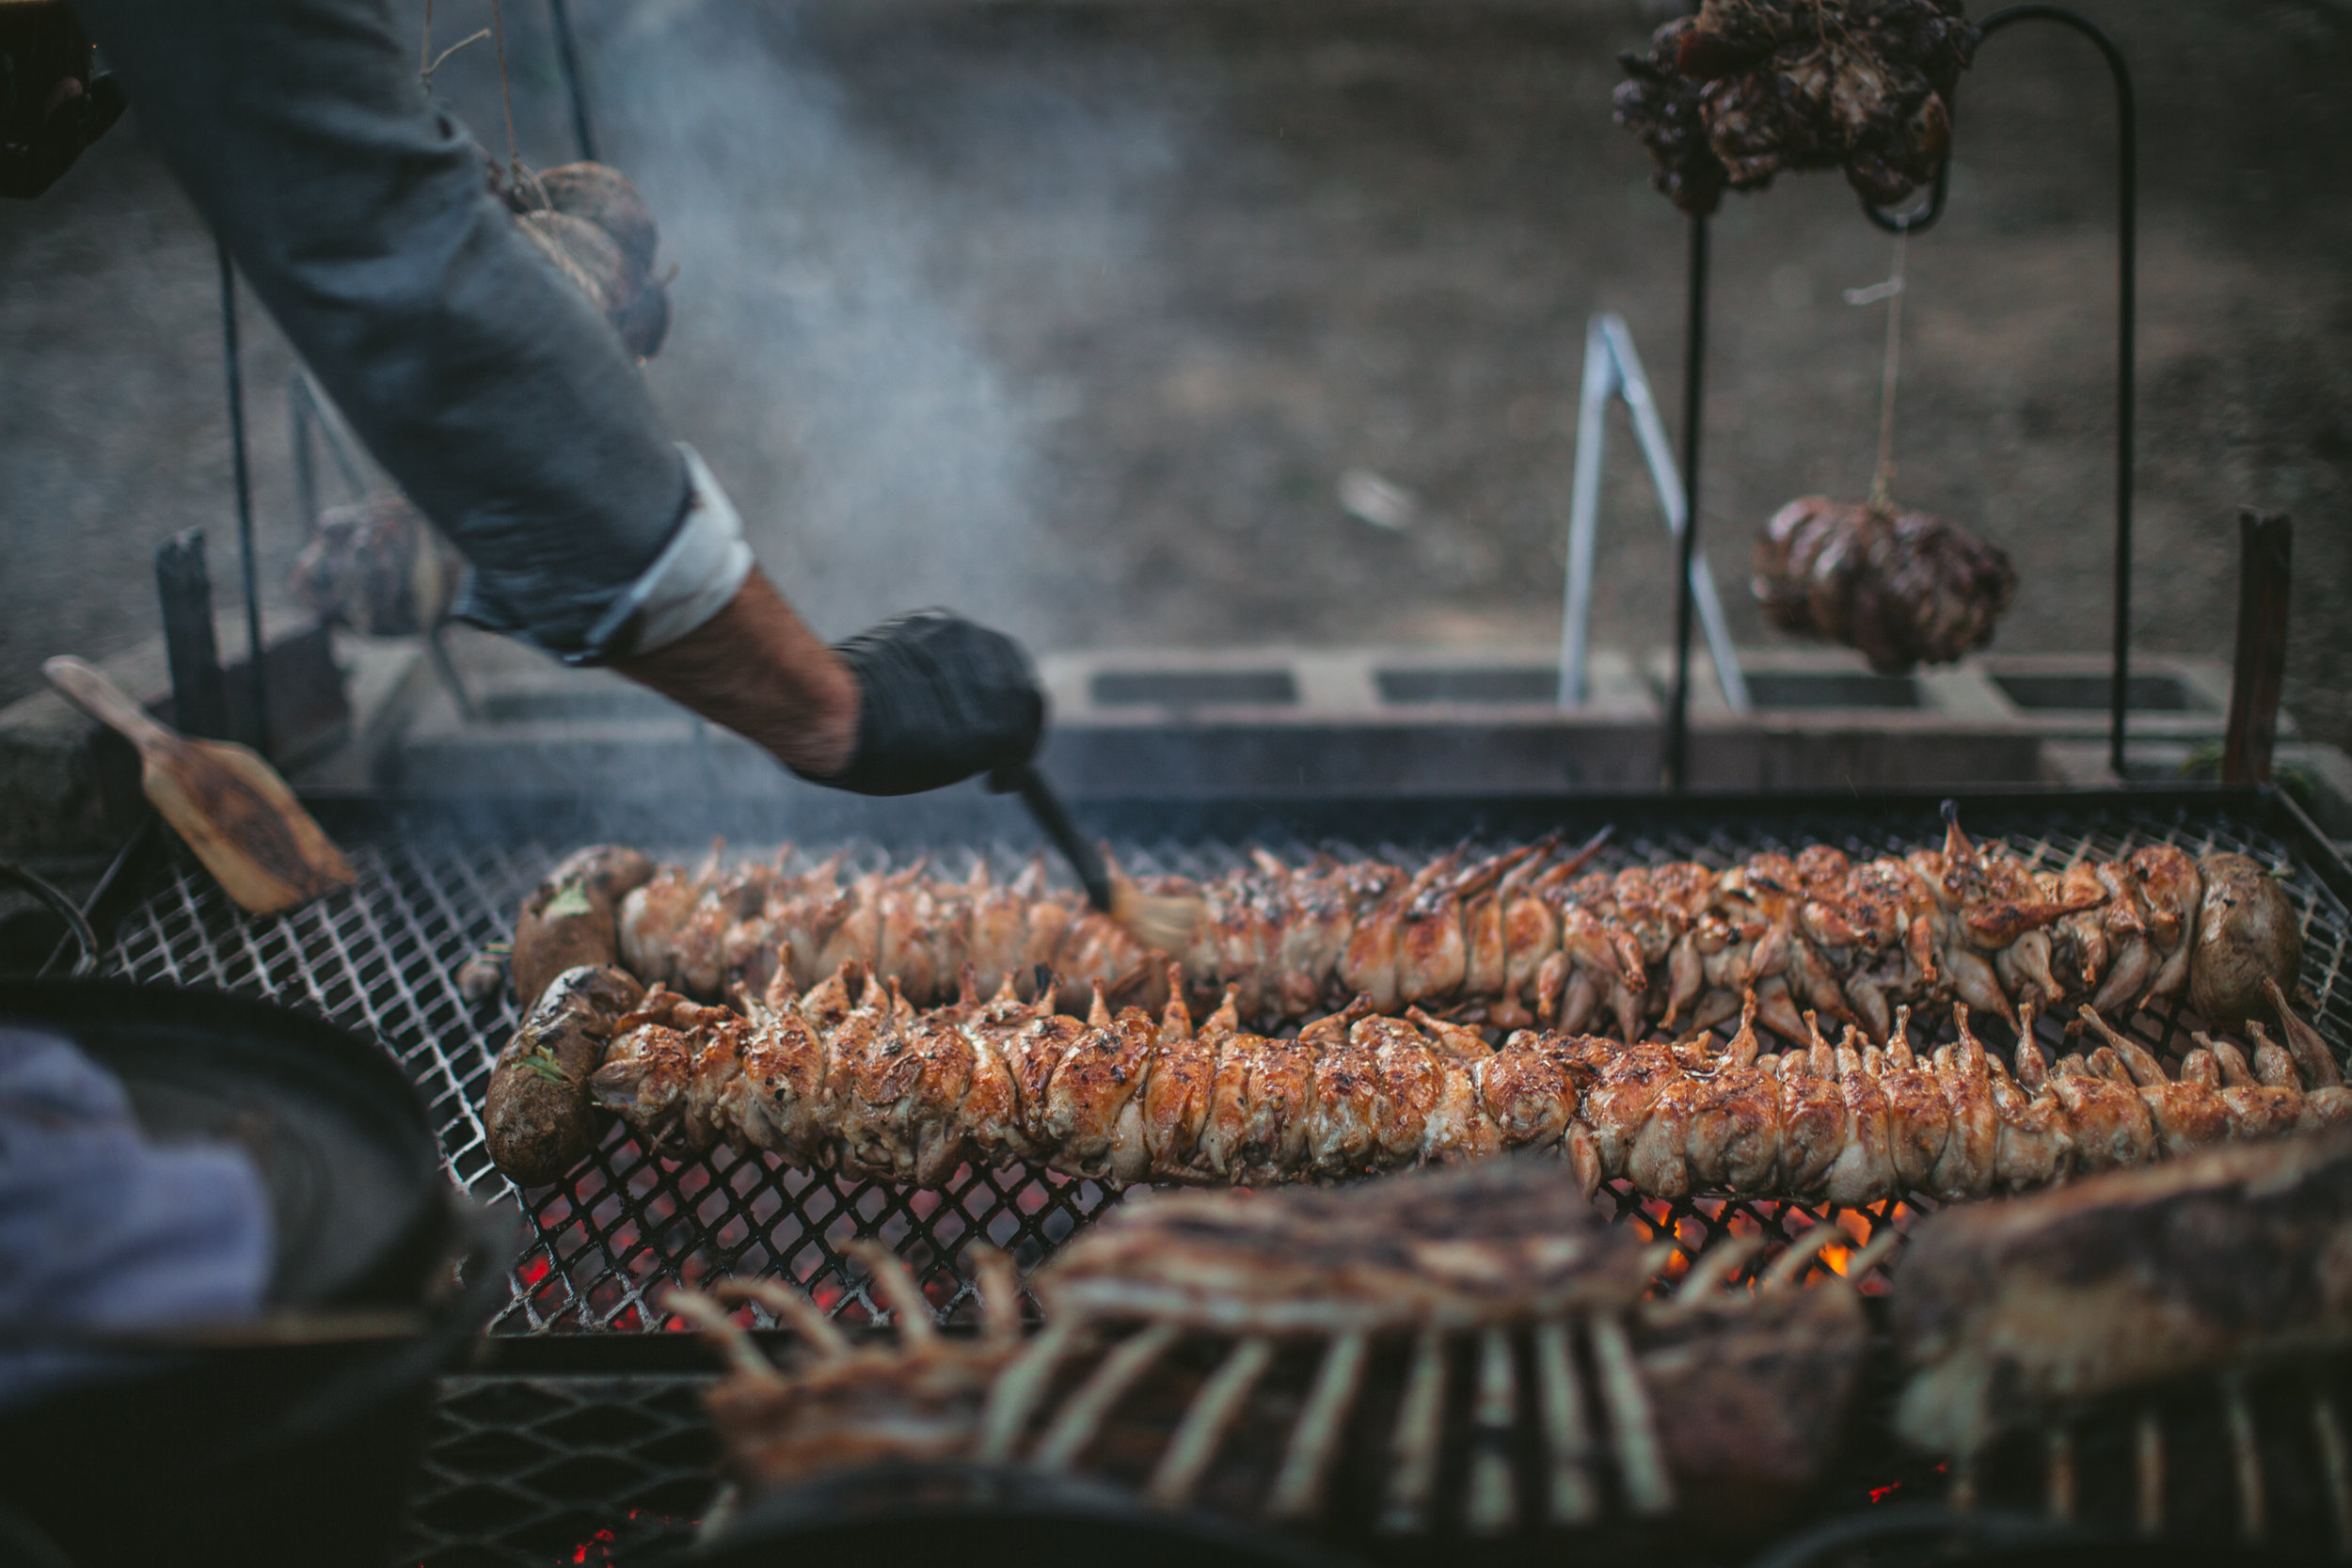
column 530, row 1471
column 383, row 960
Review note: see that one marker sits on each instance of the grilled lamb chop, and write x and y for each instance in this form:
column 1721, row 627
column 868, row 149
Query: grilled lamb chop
column 1750, row 1389
column 2007, row 1311
column 1279, row 1356
column 1504, row 1242
column 919, row 1400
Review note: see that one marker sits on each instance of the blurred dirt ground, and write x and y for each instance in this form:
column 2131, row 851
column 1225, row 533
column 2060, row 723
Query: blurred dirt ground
column 1076, row 315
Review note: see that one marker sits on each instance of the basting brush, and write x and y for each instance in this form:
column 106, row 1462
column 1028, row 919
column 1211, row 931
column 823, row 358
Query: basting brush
column 1163, row 924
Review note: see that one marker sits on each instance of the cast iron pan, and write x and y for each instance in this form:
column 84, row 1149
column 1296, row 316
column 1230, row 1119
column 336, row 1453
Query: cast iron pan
column 334, row 1128
column 269, row 1454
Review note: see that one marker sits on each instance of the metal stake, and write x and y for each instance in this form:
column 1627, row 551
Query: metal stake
column 1694, row 403
column 248, row 568
column 1612, row 368
column 560, row 13
column 199, row 698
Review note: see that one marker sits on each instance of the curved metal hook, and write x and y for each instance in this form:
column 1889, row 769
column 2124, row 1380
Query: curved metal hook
column 1923, row 220
column 2127, row 178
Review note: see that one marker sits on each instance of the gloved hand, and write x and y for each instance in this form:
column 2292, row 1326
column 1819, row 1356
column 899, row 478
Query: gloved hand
column 940, row 700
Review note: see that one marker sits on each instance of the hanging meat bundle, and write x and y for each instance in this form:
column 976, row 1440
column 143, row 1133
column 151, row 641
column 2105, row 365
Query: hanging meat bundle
column 590, row 222
column 1747, row 89
column 376, row 565
column 1903, row 586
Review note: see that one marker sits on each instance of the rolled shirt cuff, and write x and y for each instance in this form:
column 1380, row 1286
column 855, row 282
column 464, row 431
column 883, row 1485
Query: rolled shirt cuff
column 694, row 576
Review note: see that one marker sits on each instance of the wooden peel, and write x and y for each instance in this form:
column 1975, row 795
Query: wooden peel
column 231, row 806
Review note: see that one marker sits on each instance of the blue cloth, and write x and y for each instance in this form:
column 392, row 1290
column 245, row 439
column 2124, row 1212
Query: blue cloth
column 101, row 1230
column 488, row 386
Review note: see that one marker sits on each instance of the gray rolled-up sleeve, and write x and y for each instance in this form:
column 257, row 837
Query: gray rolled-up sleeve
column 486, row 386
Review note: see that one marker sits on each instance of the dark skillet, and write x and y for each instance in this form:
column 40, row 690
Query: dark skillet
column 291, row 1451
column 332, row 1125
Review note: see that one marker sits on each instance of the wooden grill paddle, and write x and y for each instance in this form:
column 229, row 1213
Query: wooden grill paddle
column 231, row 806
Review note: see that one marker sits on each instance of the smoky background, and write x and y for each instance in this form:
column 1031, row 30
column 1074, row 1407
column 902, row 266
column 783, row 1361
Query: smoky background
column 1084, row 316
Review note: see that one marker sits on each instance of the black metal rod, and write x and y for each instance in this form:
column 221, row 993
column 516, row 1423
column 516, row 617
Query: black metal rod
column 567, row 54
column 446, row 668
column 299, row 417
column 249, row 568
column 1052, row 819
column 309, row 415
column 183, row 586
column 2127, row 307
column 1924, row 219
column 1694, row 407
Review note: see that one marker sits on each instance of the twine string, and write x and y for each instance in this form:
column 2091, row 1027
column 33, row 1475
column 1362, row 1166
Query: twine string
column 1890, row 366
column 506, row 91
column 442, row 58
column 428, row 62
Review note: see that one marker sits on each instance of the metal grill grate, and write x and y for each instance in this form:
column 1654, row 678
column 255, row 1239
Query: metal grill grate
column 383, row 958
column 530, row 1471
column 2252, row 1457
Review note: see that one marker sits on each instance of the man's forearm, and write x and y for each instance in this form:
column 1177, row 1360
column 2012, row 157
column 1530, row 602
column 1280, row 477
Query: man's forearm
column 756, row 669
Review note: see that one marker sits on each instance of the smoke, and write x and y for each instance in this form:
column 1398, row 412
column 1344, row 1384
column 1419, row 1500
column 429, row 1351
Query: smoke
column 842, row 255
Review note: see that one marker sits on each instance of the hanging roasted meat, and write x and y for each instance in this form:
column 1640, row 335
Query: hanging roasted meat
column 1749, row 87
column 377, row 567
column 1903, row 586
column 589, row 221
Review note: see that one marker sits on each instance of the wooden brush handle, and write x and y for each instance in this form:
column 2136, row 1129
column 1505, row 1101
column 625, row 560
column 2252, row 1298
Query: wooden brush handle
column 102, row 699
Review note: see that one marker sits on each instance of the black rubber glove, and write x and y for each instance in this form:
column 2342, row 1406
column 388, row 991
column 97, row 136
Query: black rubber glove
column 940, row 700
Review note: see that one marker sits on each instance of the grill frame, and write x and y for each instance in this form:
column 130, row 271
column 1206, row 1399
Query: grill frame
column 439, row 879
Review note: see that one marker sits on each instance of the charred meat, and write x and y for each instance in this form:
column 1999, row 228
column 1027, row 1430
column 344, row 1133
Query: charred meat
column 1500, row 942
column 850, row 1075
column 2007, row 1311
column 1748, row 89
column 1498, row 1244
column 1903, row 586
